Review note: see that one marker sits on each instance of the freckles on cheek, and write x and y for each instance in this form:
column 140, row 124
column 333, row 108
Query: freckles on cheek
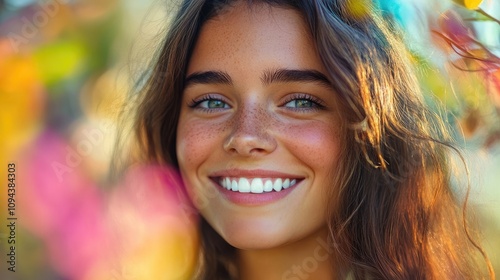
column 196, row 142
column 313, row 142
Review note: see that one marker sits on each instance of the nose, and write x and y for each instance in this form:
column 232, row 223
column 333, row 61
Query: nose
column 250, row 133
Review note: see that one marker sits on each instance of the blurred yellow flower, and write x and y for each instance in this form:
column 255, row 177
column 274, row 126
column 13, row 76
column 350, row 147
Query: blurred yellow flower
column 170, row 254
column 472, row 4
column 59, row 60
column 22, row 100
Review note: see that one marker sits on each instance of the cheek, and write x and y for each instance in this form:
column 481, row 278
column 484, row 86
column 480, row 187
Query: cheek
column 316, row 144
column 195, row 142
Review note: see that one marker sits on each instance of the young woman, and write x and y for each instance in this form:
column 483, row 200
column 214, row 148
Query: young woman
column 302, row 138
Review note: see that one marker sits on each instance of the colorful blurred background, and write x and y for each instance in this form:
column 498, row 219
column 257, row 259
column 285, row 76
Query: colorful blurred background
column 66, row 69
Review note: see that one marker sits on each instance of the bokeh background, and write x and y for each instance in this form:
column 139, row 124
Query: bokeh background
column 67, row 68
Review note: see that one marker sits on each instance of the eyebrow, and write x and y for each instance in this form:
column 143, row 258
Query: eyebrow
column 208, row 77
column 292, row 75
column 268, row 77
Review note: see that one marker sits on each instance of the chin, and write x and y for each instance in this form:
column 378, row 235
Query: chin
column 253, row 242
column 254, row 236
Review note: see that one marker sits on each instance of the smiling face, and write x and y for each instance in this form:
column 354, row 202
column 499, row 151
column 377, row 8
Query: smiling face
column 258, row 135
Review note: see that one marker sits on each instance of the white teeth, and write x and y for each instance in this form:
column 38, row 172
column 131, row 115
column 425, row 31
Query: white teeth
column 256, row 185
column 268, row 186
column 278, row 184
column 286, row 184
column 243, row 185
column 234, row 186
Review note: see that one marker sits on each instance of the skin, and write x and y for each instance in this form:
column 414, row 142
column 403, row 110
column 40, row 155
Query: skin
column 258, row 126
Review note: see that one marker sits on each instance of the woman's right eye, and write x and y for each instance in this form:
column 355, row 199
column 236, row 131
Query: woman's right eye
column 209, row 103
column 213, row 104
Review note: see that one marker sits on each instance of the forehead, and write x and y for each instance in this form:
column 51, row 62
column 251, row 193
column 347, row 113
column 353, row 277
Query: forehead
column 257, row 35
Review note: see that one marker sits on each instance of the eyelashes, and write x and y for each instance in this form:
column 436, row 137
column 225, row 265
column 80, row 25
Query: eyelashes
column 303, row 101
column 209, row 102
column 294, row 102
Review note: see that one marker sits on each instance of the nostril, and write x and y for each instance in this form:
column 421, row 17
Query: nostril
column 257, row 150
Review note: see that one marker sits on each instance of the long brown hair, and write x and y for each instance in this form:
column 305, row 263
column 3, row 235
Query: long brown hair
column 394, row 216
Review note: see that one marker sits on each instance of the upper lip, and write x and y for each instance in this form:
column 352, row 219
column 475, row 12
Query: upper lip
column 253, row 173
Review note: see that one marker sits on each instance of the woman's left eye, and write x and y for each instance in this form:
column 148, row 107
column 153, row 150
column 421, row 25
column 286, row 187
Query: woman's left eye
column 303, row 102
column 300, row 103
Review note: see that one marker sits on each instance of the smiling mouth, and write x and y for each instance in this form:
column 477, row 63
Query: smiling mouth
column 256, row 185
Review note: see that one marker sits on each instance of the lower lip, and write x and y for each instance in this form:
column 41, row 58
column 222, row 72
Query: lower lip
column 255, row 199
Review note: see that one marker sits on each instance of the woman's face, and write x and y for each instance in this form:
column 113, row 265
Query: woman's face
column 258, row 135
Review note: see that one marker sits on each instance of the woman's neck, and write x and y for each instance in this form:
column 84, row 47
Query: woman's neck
column 309, row 258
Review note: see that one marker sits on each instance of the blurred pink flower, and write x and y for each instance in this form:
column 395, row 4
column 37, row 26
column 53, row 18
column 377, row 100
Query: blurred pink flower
column 451, row 25
column 155, row 223
column 144, row 228
column 66, row 213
